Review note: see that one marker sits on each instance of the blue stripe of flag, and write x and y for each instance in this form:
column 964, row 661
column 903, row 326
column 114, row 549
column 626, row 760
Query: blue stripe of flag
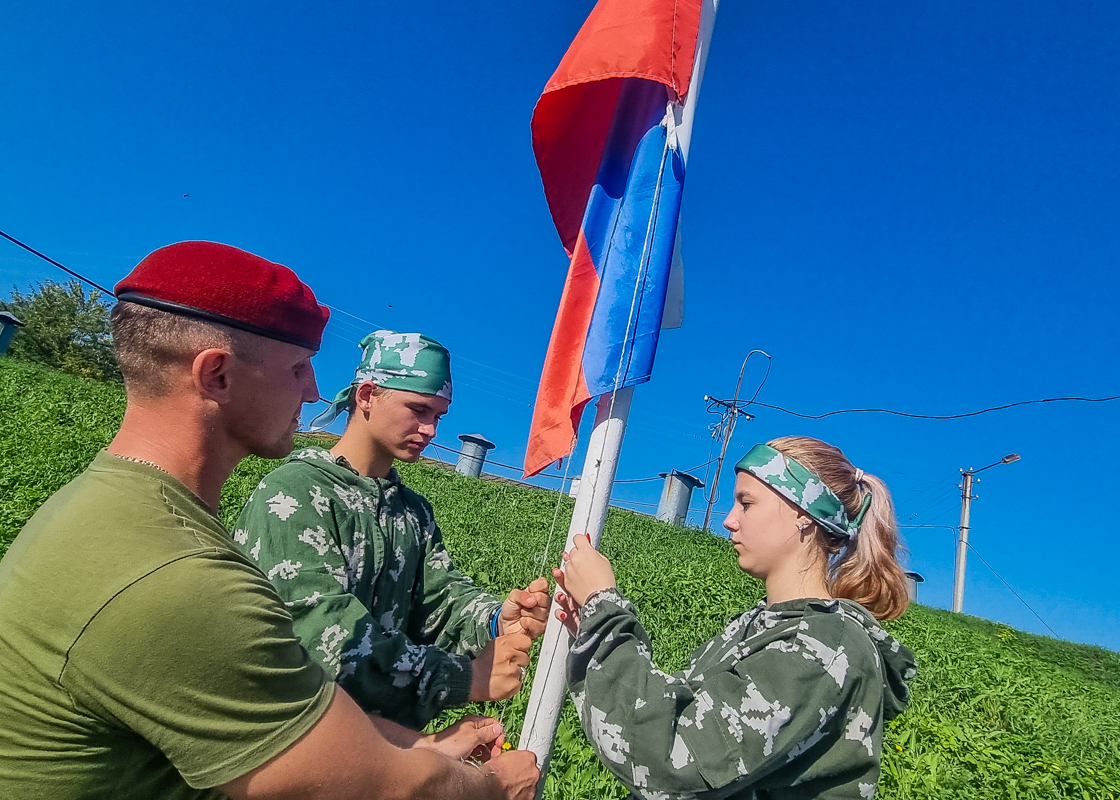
column 627, row 192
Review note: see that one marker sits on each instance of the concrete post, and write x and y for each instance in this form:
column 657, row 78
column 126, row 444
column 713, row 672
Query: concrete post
column 473, row 454
column 8, row 326
column 962, row 540
column 676, row 494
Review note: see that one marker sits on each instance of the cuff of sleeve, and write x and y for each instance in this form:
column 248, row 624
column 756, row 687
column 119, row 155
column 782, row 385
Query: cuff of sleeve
column 459, row 681
column 602, row 604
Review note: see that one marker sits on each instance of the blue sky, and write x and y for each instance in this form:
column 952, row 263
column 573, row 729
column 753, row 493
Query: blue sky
column 908, row 205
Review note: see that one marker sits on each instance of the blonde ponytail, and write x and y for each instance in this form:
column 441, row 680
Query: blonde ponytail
column 866, row 570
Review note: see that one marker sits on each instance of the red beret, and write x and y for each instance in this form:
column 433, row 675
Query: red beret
column 220, row 283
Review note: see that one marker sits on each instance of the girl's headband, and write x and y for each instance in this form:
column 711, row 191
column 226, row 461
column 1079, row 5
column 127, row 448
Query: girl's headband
column 789, row 478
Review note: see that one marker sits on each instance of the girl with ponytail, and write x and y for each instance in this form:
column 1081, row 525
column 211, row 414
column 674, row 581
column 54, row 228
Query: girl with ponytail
column 789, row 701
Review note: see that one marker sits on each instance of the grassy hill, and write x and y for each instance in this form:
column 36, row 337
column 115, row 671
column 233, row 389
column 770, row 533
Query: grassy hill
column 996, row 713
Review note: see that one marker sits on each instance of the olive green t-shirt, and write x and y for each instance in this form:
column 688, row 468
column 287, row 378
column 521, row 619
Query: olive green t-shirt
column 141, row 654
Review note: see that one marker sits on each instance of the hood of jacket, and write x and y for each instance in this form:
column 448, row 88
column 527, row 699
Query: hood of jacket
column 896, row 660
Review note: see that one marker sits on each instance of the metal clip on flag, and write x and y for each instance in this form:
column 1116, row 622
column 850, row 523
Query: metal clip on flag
column 611, row 135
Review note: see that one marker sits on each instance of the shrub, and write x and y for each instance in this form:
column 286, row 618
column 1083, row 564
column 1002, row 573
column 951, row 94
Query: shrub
column 64, row 328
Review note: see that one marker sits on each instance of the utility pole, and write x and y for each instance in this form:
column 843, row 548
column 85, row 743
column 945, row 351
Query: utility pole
column 962, row 540
column 727, row 423
column 962, row 533
column 728, row 418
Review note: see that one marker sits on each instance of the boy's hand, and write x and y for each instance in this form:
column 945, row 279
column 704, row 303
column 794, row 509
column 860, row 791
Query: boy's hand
column 525, row 610
column 498, row 671
column 474, row 737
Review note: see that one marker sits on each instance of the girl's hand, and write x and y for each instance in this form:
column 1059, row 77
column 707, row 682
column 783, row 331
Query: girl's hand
column 586, row 570
column 568, row 612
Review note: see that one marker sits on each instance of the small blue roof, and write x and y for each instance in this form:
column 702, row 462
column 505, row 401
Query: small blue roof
column 9, row 318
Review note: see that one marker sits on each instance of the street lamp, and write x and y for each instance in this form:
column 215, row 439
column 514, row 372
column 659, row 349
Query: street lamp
column 962, row 533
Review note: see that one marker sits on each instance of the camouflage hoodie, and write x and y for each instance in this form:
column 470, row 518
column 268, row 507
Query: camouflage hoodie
column 788, row 702
column 361, row 565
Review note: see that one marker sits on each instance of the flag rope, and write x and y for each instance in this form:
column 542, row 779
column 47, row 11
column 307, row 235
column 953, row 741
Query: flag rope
column 639, row 281
column 556, row 510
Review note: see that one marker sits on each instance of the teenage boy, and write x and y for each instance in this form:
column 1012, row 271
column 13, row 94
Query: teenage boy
column 360, row 562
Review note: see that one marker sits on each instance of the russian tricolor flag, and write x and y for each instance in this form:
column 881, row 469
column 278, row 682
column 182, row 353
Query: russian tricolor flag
column 603, row 135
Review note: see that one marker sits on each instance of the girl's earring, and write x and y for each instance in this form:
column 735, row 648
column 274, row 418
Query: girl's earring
column 802, row 527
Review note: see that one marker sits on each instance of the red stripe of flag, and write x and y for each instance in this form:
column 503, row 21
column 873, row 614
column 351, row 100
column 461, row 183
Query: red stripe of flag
column 650, row 39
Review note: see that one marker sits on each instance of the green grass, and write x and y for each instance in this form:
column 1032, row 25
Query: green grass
column 51, row 427
column 996, row 713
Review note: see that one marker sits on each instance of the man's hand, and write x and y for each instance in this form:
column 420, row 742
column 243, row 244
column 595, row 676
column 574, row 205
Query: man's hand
column 498, row 671
column 474, row 737
column 344, row 757
column 517, row 774
column 525, row 610
column 586, row 571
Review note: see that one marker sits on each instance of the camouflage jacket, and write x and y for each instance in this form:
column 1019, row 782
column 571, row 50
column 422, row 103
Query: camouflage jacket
column 361, row 565
column 788, row 702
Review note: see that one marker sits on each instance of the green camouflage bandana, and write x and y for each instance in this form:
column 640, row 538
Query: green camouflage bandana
column 411, row 362
column 793, row 481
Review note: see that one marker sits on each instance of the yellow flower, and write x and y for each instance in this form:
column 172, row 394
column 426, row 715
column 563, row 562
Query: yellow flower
column 507, row 746
column 898, row 747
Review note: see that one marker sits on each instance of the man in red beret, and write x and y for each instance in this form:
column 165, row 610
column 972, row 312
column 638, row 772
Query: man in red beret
column 143, row 655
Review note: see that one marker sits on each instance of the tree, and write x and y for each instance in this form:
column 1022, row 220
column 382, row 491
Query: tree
column 64, row 328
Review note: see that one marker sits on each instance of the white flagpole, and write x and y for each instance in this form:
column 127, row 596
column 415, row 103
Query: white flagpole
column 590, row 513
column 542, row 716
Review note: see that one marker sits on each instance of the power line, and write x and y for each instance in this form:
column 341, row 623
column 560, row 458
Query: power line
column 938, row 416
column 354, row 316
column 751, row 402
column 1012, row 590
column 50, row 260
column 649, row 505
column 929, row 503
column 917, row 493
column 491, row 462
column 949, row 510
column 375, row 326
column 989, row 566
column 659, row 477
column 346, row 330
column 908, row 477
column 558, row 477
